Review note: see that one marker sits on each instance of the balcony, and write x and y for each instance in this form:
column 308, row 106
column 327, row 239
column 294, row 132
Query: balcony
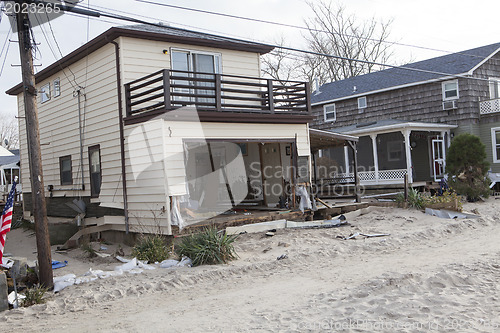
column 489, row 106
column 217, row 97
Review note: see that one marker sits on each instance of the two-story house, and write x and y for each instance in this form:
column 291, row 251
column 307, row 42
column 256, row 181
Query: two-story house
column 158, row 126
column 406, row 116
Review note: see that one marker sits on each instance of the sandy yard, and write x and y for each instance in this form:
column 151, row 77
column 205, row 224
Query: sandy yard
column 429, row 275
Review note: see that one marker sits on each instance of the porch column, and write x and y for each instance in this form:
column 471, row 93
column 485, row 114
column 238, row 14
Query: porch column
column 443, row 146
column 375, row 155
column 406, row 134
column 346, row 160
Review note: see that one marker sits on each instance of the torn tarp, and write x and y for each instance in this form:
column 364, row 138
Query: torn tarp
column 449, row 214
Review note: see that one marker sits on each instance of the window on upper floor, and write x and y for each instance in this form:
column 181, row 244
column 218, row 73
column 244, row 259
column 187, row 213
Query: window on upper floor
column 65, row 170
column 44, row 93
column 494, row 84
column 362, row 102
column 329, row 112
column 450, row 90
column 495, row 144
column 57, row 87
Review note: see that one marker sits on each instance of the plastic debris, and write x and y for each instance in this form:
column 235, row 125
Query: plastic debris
column 58, row 264
column 12, row 297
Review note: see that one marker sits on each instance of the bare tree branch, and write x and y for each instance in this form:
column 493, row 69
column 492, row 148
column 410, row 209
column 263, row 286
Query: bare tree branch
column 9, row 131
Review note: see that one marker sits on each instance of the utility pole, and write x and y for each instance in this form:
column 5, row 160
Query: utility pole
column 34, row 151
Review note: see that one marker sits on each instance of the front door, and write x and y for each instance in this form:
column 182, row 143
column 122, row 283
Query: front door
column 272, row 173
column 438, row 162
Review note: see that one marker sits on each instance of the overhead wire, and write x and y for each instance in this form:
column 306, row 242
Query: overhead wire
column 294, row 26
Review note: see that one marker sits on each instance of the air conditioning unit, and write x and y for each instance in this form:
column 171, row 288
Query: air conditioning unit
column 450, row 105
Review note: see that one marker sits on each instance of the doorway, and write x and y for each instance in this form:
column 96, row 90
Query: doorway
column 272, row 173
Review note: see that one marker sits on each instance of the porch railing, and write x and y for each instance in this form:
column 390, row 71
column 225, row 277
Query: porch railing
column 171, row 89
column 368, row 177
column 489, row 106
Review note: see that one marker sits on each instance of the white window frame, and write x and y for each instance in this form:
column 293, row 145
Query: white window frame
column 494, row 84
column 334, row 112
column 44, row 93
column 360, row 99
column 217, row 70
column 395, row 146
column 494, row 144
column 443, row 85
column 57, row 87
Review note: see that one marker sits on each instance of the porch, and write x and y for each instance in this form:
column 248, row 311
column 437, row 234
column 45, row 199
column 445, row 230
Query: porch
column 388, row 152
column 217, row 97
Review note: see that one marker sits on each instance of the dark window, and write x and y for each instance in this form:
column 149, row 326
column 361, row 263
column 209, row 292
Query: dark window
column 95, row 170
column 65, row 170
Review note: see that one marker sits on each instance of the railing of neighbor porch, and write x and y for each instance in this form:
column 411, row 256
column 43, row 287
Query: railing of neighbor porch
column 368, row 177
column 489, row 106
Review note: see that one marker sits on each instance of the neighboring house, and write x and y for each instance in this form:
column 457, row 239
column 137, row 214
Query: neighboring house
column 154, row 126
column 405, row 119
column 9, row 169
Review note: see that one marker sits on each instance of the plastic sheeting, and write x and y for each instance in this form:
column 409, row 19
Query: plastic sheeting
column 305, row 202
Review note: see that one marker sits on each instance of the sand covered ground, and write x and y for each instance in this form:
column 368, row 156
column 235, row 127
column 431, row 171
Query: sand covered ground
column 429, row 275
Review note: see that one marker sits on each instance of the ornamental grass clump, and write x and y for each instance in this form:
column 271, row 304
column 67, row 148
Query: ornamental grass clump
column 208, row 247
column 415, row 199
column 34, row 296
column 153, row 248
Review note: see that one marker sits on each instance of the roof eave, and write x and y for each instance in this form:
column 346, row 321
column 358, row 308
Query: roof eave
column 115, row 32
column 401, row 126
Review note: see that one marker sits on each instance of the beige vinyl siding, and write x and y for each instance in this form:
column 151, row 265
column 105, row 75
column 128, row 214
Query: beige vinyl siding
column 59, row 131
column 135, row 51
column 155, row 153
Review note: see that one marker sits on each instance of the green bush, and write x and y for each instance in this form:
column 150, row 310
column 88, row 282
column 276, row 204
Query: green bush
column 415, row 199
column 151, row 248
column 208, row 247
column 34, row 296
column 467, row 167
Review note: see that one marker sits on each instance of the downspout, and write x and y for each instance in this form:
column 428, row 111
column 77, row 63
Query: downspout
column 122, row 134
column 81, row 136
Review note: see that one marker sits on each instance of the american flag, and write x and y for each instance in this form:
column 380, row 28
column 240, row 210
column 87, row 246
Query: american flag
column 6, row 218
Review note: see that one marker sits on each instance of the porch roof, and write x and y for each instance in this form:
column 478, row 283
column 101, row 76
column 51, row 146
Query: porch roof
column 325, row 139
column 392, row 125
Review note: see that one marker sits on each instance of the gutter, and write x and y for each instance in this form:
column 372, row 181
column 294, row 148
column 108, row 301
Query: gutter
column 122, row 133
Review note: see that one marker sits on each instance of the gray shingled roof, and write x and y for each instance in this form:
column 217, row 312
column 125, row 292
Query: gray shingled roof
column 456, row 63
column 191, row 34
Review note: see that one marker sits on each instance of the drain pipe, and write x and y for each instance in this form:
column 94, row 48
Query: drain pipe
column 122, row 133
column 79, row 93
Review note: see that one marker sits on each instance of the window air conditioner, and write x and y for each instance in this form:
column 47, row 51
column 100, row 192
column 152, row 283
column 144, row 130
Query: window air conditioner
column 449, row 105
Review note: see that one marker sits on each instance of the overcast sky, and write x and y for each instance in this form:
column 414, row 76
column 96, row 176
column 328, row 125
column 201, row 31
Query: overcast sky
column 440, row 24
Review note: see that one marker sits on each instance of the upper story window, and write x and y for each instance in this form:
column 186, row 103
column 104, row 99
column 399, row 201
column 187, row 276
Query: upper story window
column 44, row 93
column 495, row 144
column 195, row 61
column 65, row 171
column 450, row 90
column 329, row 112
column 57, row 87
column 494, row 84
column 362, row 102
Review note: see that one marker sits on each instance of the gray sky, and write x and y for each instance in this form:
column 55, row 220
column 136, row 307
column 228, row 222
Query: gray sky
column 441, row 24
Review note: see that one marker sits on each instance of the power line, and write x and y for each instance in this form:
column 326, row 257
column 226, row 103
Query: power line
column 293, row 26
column 97, row 13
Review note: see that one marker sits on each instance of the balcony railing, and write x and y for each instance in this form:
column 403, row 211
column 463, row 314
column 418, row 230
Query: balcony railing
column 170, row 89
column 489, row 106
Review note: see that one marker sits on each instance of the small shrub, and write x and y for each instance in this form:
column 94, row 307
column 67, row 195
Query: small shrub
column 88, row 249
column 151, row 248
column 208, row 247
column 34, row 296
column 415, row 199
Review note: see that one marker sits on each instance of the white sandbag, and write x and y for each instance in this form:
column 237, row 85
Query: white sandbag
column 124, row 260
column 127, row 266
column 135, row 271
column 61, row 282
column 185, row 262
column 143, row 265
column 169, row 263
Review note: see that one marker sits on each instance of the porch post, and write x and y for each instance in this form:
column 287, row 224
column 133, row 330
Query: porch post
column 375, row 155
column 443, row 146
column 409, row 168
column 346, row 160
column 354, row 147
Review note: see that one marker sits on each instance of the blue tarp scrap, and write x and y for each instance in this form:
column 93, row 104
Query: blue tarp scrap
column 58, row 264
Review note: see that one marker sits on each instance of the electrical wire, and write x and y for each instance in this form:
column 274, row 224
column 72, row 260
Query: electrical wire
column 296, row 26
column 4, row 59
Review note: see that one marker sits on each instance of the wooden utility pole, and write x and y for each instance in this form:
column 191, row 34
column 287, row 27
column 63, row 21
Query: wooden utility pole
column 34, row 151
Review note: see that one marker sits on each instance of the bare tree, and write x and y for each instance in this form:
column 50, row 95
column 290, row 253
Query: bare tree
column 9, row 131
column 334, row 32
